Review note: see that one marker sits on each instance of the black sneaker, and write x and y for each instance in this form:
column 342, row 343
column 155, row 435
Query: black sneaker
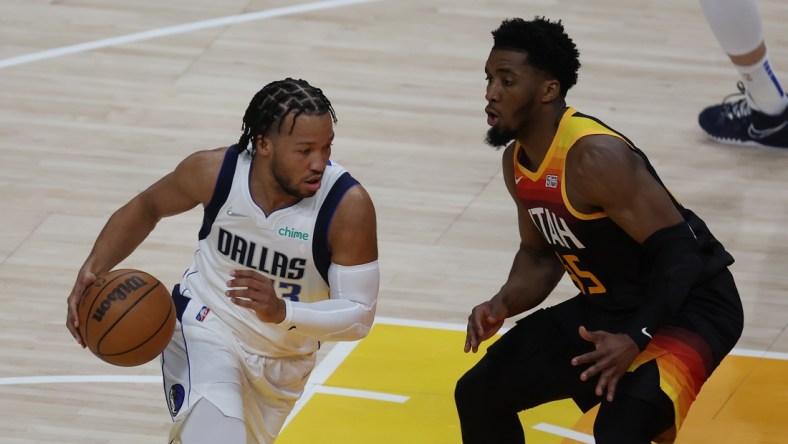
column 733, row 122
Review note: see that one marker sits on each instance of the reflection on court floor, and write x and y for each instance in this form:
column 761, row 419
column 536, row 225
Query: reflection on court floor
column 396, row 386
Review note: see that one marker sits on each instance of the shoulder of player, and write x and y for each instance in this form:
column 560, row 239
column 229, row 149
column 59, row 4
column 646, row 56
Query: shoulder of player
column 197, row 173
column 356, row 202
column 204, row 160
column 353, row 232
column 601, row 169
column 600, row 155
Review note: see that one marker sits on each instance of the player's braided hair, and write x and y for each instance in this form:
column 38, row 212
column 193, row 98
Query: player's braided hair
column 548, row 47
column 270, row 106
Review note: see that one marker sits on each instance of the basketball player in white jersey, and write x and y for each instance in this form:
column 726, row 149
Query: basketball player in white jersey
column 287, row 258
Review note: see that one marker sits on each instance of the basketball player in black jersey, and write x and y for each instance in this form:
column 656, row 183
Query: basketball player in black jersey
column 657, row 308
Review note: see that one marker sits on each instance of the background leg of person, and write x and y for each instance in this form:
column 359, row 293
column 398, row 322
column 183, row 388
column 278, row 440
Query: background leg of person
column 760, row 116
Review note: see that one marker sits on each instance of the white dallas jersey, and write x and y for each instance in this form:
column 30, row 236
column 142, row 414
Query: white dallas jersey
column 289, row 246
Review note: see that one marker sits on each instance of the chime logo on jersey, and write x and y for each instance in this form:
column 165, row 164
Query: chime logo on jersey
column 554, row 228
column 203, row 313
column 293, row 233
column 259, row 258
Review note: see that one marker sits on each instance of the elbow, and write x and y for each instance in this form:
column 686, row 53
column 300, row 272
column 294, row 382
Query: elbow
column 358, row 329
column 361, row 329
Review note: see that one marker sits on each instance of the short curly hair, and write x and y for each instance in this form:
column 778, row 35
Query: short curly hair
column 549, row 48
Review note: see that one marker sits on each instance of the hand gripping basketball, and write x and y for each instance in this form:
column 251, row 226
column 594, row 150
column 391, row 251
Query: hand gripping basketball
column 126, row 317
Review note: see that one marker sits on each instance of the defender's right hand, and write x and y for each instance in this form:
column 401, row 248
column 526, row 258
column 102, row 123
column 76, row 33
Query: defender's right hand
column 84, row 280
column 485, row 320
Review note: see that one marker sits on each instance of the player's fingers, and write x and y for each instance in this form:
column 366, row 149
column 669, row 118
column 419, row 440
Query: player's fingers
column 250, row 275
column 242, row 283
column 246, row 294
column 586, row 358
column 589, row 336
column 600, row 385
column 243, row 302
column 590, row 372
column 471, row 336
column 72, row 321
column 72, row 317
column 611, row 388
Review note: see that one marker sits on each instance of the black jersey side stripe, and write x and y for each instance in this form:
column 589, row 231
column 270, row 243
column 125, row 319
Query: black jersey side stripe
column 220, row 192
column 320, row 250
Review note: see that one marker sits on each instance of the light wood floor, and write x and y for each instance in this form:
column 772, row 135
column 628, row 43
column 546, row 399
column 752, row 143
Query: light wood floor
column 87, row 122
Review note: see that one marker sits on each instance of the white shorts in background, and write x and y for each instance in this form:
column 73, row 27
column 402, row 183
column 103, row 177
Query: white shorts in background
column 204, row 360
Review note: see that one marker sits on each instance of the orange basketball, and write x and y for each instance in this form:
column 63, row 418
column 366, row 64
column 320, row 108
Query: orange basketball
column 126, row 317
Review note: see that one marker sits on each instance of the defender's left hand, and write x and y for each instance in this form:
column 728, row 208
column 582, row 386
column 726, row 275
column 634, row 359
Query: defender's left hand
column 613, row 355
column 252, row 290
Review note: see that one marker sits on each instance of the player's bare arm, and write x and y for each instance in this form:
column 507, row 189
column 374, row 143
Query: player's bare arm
column 353, row 234
column 190, row 184
column 604, row 173
column 536, row 270
column 534, row 274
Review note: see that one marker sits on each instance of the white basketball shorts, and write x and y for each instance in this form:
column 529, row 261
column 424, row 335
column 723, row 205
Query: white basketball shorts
column 205, row 360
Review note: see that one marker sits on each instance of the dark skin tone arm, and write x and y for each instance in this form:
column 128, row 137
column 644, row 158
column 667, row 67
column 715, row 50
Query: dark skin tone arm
column 190, row 184
column 603, row 173
column 534, row 274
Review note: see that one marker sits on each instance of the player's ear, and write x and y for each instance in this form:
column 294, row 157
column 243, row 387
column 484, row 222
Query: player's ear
column 551, row 90
column 262, row 144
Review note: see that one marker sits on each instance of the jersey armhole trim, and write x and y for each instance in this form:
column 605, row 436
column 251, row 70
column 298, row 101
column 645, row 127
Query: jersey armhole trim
column 224, row 183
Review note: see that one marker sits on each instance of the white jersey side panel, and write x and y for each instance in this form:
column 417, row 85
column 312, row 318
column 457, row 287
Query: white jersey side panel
column 281, row 246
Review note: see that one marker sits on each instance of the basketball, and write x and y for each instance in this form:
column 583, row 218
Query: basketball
column 126, row 317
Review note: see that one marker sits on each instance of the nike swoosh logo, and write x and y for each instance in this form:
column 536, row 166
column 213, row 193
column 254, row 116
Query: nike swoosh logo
column 230, row 212
column 645, row 332
column 518, row 179
column 762, row 134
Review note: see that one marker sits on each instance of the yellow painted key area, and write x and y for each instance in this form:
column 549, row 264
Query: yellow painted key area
column 745, row 401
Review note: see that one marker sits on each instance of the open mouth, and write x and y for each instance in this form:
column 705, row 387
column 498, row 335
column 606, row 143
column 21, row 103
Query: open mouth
column 492, row 116
column 313, row 183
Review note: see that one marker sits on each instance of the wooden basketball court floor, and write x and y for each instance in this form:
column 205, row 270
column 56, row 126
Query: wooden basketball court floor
column 99, row 99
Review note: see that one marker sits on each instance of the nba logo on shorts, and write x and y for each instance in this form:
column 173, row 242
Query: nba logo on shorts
column 203, row 313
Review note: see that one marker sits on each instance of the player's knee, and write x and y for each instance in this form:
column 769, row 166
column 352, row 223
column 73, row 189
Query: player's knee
column 632, row 420
column 470, row 390
column 617, row 435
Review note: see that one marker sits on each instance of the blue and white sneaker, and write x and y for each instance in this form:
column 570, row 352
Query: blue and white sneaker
column 733, row 122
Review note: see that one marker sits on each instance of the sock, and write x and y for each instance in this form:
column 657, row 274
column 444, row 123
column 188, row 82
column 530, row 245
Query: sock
column 764, row 92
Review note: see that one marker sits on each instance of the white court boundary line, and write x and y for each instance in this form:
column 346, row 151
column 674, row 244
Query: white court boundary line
column 177, row 29
column 564, row 432
column 74, row 379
